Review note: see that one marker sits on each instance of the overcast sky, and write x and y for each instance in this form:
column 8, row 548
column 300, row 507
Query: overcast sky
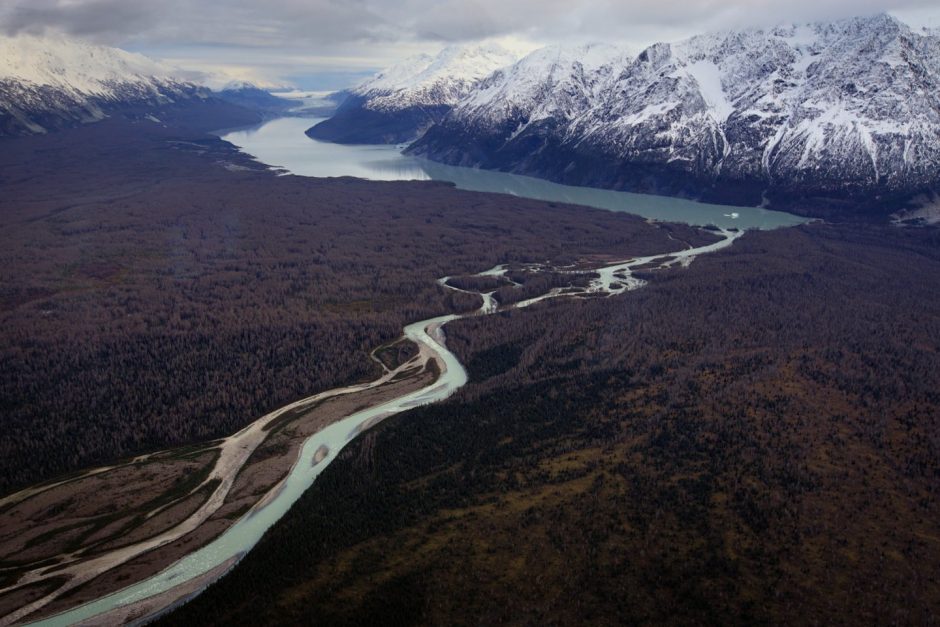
column 327, row 44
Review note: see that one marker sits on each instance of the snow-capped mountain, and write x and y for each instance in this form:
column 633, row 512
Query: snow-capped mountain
column 842, row 110
column 424, row 80
column 401, row 102
column 556, row 82
column 50, row 81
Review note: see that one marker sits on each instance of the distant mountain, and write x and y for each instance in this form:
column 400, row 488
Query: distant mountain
column 250, row 96
column 316, row 103
column 824, row 114
column 553, row 82
column 399, row 103
column 51, row 82
column 547, row 89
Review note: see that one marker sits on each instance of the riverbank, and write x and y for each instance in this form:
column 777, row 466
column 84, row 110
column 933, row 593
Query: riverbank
column 742, row 441
column 96, row 532
column 428, row 336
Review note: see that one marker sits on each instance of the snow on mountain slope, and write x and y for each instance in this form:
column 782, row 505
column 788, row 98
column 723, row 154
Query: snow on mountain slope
column 397, row 104
column 439, row 80
column 52, row 81
column 59, row 62
column 555, row 81
column 848, row 104
column 848, row 109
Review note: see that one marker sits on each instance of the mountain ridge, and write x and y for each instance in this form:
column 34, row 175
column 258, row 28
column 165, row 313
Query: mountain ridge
column 824, row 114
column 250, row 96
column 50, row 82
column 399, row 103
column 825, row 118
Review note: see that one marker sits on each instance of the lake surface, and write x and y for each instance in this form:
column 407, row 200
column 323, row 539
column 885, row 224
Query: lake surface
column 282, row 143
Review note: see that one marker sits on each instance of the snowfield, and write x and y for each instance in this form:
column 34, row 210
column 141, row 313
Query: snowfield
column 52, row 81
column 425, row 80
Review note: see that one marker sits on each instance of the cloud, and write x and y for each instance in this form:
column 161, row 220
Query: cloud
column 92, row 18
column 323, row 22
column 631, row 21
column 262, row 35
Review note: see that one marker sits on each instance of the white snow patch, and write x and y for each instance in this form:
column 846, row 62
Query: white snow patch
column 708, row 77
column 426, row 80
column 649, row 111
column 74, row 66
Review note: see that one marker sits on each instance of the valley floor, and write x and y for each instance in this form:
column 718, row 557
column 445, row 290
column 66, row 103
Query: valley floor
column 751, row 438
column 140, row 334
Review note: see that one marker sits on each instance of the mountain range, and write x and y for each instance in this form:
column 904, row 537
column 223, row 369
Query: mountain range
column 51, row 82
column 400, row 103
column 250, row 96
column 823, row 118
column 816, row 118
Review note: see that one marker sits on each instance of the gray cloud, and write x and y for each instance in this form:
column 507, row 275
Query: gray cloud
column 634, row 21
column 93, row 18
column 357, row 33
column 270, row 22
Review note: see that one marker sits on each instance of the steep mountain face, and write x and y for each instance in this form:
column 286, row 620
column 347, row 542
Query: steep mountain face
column 398, row 104
column 820, row 114
column 517, row 108
column 51, row 82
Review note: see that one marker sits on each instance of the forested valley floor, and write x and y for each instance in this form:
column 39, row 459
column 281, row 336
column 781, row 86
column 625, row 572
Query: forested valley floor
column 750, row 440
column 159, row 288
